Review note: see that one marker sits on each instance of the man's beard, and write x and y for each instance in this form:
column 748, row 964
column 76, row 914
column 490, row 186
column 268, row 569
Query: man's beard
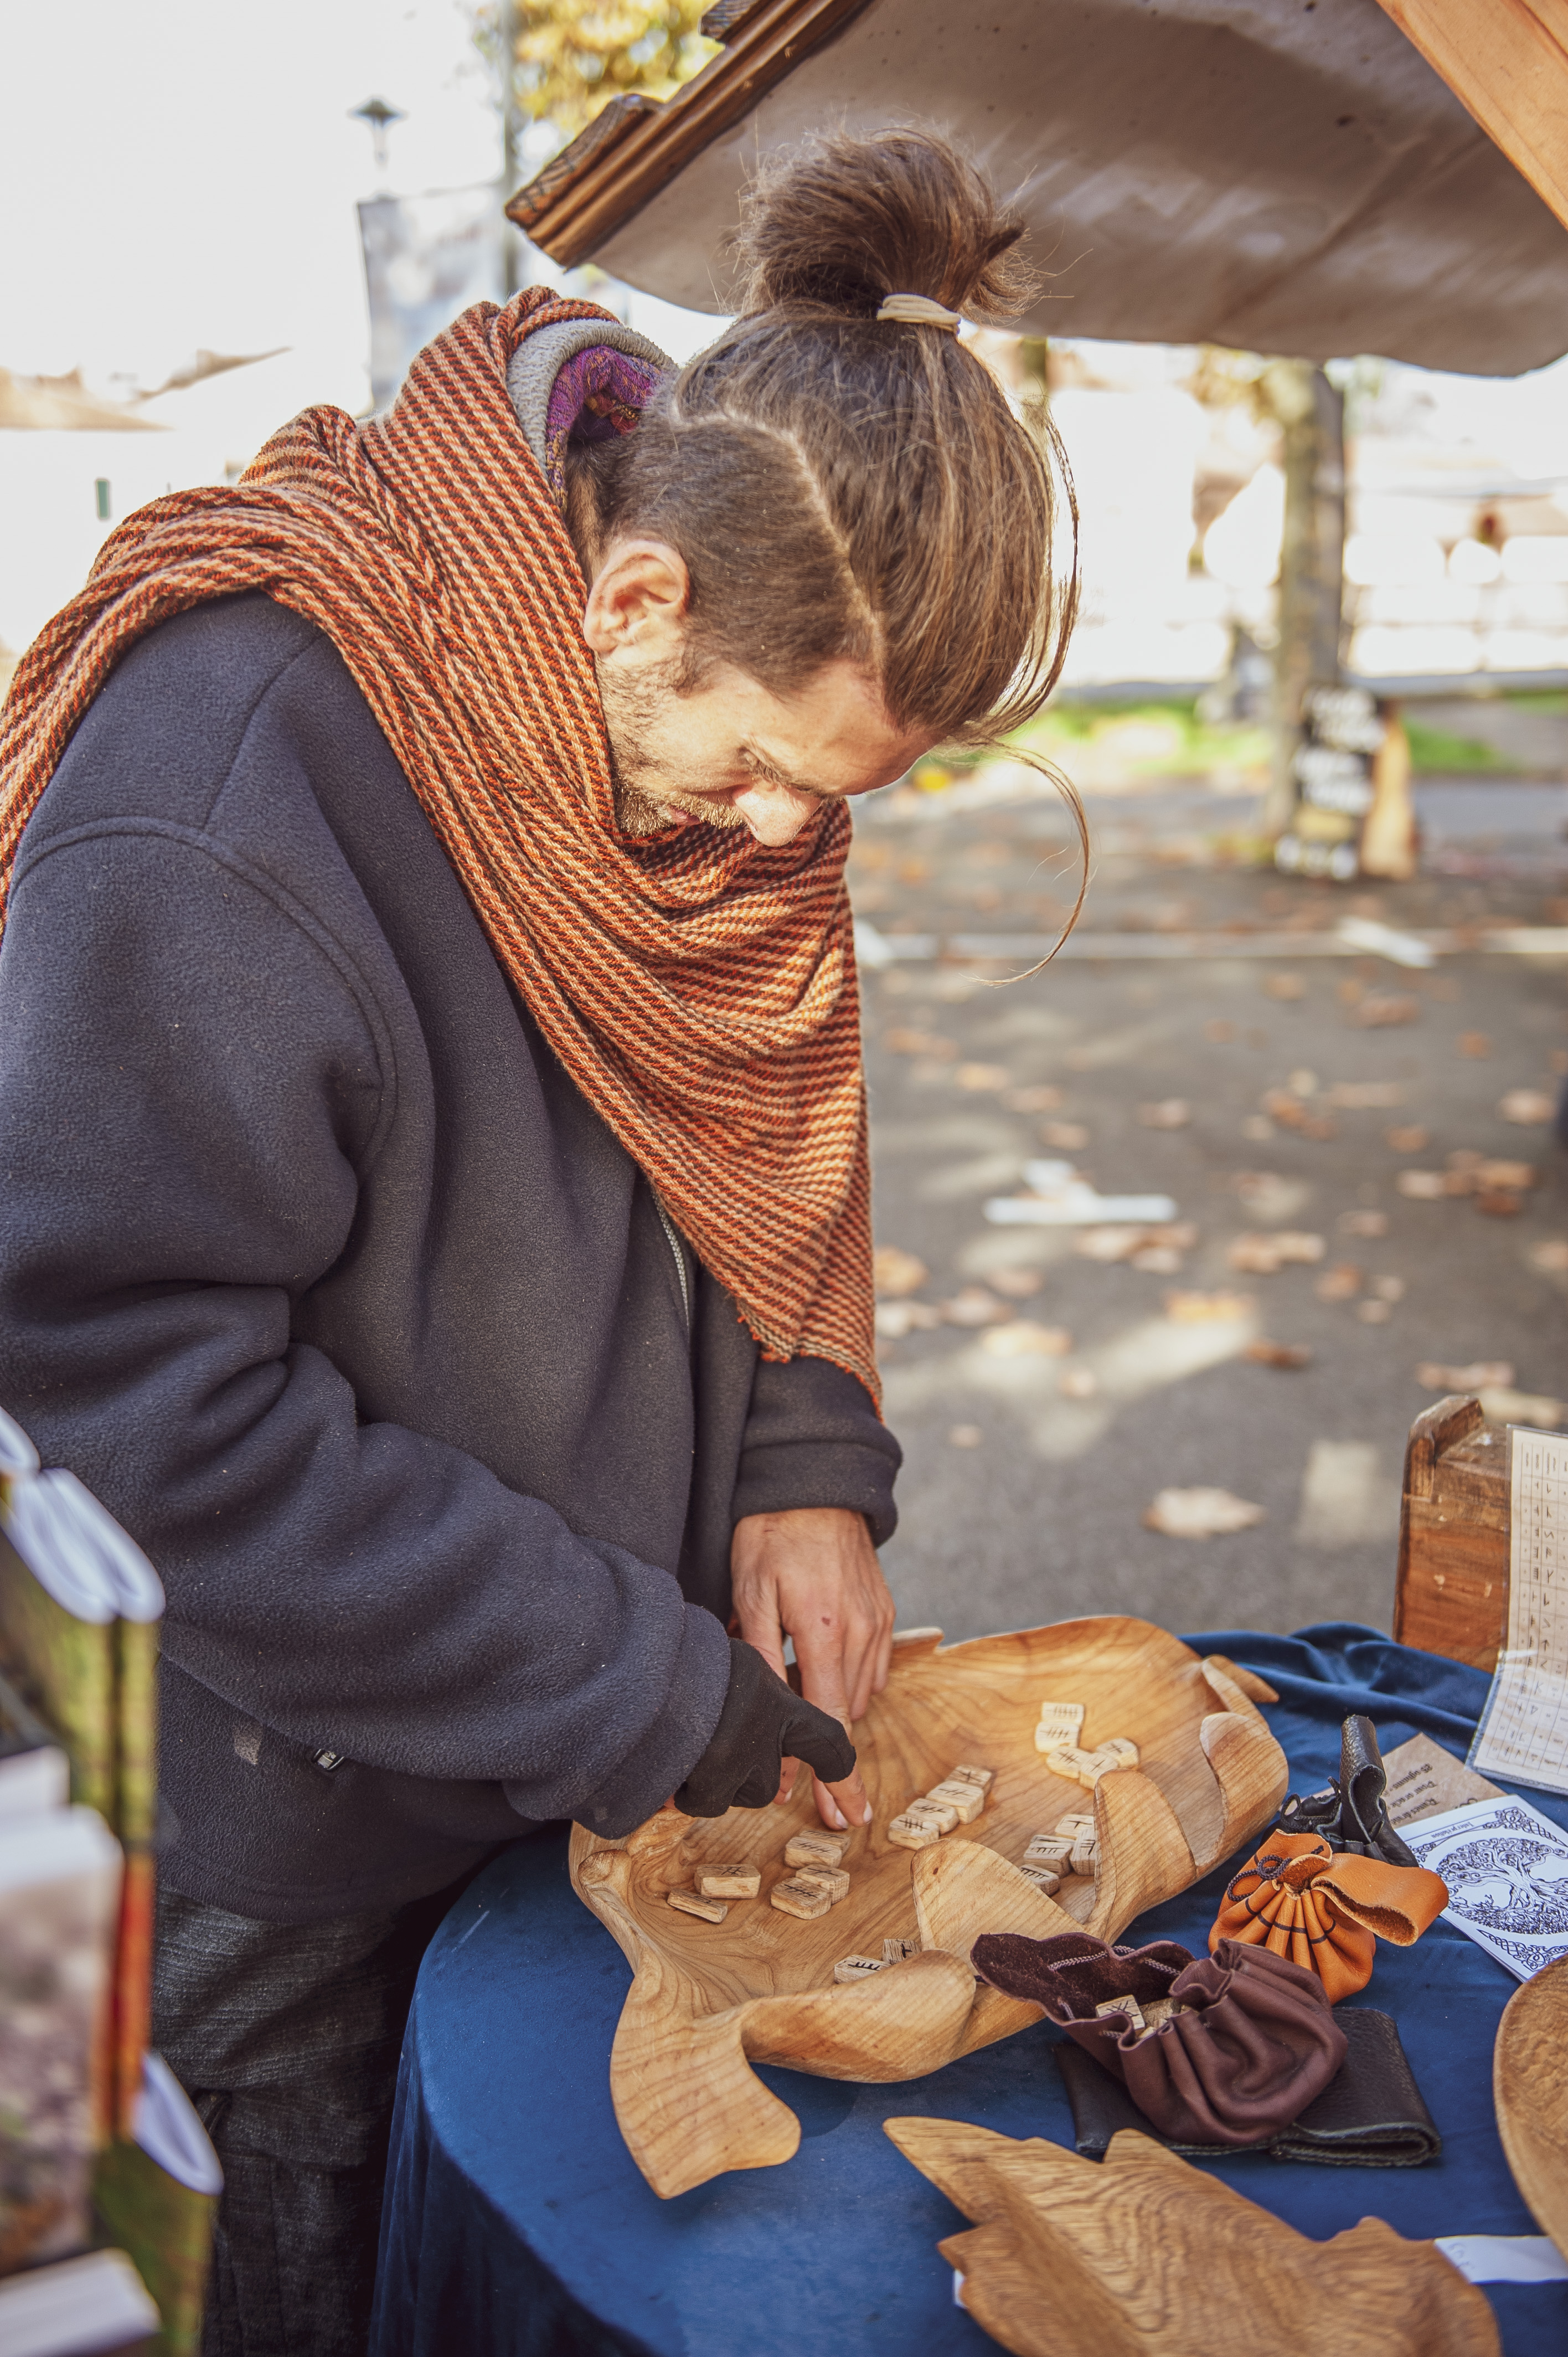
column 631, row 708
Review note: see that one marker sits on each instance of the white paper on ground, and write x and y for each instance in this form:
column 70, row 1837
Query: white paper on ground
column 1505, row 2258
column 1507, row 1870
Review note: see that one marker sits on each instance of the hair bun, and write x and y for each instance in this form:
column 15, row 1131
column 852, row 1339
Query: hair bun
column 843, row 223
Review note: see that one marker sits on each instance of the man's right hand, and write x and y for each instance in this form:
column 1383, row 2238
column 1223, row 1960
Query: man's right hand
column 762, row 1723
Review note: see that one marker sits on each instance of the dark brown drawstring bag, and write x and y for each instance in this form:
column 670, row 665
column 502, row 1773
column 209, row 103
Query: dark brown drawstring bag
column 1248, row 2040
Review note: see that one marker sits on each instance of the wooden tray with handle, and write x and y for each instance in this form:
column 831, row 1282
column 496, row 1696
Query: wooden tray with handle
column 710, row 1999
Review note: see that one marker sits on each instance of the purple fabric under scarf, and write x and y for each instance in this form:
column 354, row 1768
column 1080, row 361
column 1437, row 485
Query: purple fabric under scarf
column 597, row 392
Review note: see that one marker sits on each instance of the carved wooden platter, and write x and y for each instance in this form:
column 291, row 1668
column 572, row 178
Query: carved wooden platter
column 709, row 1999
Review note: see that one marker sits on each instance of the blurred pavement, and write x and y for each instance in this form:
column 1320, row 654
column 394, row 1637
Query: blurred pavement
column 1033, row 1512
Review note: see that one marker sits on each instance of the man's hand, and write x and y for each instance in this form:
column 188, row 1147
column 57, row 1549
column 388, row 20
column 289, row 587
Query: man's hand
column 811, row 1573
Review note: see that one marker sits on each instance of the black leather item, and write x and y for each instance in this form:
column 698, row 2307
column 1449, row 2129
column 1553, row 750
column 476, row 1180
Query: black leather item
column 1351, row 1814
column 763, row 1723
column 1370, row 2116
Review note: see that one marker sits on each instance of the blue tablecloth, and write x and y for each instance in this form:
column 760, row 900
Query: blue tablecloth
column 516, row 2225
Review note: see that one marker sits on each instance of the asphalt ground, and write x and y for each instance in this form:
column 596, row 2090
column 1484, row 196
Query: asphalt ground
column 1027, row 1474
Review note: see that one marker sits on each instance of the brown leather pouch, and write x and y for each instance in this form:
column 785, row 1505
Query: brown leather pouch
column 1325, row 1910
column 1248, row 2042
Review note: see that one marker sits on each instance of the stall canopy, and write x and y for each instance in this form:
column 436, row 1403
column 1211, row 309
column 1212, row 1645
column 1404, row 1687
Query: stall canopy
column 1284, row 176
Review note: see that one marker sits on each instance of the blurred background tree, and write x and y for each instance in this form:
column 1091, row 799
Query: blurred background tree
column 570, row 57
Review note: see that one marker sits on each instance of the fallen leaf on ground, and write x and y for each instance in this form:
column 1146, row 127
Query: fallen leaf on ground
column 1016, row 1284
column 1078, row 1383
column 1262, row 1252
column 1157, row 1260
column 1366, row 1096
column 1373, row 1313
column 1481, row 1374
column 1503, row 1405
column 1520, row 1175
column 1476, row 1044
column 1499, row 1202
column 1531, row 1108
column 902, row 1042
column 1284, row 985
column 1409, row 1139
column 1111, row 1244
column 1270, row 1197
column 1170, row 1112
column 1200, row 1513
column 896, row 1319
column 1257, row 1129
column 1067, row 1136
column 1220, row 1033
column 1379, row 1009
column 1551, row 1257
column 1278, row 1354
column 1341, row 1283
column 1422, row 1186
column 1208, row 1308
column 1040, row 1097
column 1363, row 1223
column 1293, row 1112
column 1388, row 1288
column 976, row 1305
column 895, row 1272
column 965, row 1436
column 982, row 1076
column 1025, row 1340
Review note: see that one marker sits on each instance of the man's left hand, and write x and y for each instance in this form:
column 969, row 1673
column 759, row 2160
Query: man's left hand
column 811, row 1573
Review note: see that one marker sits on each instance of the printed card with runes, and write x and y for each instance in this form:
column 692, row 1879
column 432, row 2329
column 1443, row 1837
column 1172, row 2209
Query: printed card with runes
column 1524, row 1732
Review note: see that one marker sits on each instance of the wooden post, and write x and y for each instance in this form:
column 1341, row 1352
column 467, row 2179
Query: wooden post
column 1311, row 561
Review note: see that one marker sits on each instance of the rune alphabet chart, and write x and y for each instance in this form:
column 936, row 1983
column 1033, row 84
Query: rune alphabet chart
column 1524, row 1732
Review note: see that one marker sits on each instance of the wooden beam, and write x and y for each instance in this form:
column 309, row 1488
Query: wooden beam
column 613, row 167
column 1506, row 60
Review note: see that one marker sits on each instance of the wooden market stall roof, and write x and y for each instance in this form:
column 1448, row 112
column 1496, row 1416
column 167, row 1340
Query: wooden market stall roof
column 1284, row 176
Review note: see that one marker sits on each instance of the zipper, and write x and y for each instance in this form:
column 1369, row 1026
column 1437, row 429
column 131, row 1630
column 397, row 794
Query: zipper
column 674, row 1234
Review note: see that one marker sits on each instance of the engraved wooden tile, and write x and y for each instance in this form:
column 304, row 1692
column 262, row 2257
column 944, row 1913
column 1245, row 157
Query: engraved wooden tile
column 1085, row 1853
column 967, row 1799
column 1120, row 1748
column 942, row 1813
column 1044, row 1877
column 983, row 1777
column 728, row 1881
column 815, row 1849
column 1060, row 1722
column 802, row 1898
column 831, row 1878
column 858, row 1968
column 896, row 1952
column 913, row 1833
column 1074, row 1824
column 1127, row 2005
column 692, row 1902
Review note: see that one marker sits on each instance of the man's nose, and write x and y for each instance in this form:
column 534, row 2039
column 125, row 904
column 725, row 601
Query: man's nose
column 774, row 813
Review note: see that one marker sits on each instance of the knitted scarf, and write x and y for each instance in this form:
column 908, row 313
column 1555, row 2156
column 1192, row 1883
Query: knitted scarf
column 699, row 988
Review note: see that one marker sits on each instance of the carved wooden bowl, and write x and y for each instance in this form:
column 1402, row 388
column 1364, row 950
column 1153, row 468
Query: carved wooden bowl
column 709, row 1999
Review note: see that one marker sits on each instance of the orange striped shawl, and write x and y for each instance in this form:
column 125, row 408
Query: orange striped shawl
column 699, row 988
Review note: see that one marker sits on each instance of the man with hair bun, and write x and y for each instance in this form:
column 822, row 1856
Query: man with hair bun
column 436, row 1218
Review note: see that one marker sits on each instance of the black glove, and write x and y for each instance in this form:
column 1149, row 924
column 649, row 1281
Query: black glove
column 763, row 1722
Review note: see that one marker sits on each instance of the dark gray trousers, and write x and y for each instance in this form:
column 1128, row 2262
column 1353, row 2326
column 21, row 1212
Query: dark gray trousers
column 286, row 2039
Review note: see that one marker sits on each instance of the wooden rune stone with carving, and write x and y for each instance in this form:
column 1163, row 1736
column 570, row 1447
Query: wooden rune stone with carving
column 1142, row 2251
column 708, row 2001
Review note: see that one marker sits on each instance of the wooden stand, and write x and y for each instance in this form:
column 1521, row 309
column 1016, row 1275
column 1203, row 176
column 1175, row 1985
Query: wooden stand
column 1452, row 1592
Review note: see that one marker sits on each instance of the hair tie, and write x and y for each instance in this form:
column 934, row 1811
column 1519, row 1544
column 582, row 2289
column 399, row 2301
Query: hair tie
column 919, row 311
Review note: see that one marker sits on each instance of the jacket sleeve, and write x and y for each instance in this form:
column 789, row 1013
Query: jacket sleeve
column 191, row 1086
column 813, row 1439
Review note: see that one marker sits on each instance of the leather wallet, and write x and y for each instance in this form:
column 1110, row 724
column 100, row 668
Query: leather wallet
column 1370, row 2116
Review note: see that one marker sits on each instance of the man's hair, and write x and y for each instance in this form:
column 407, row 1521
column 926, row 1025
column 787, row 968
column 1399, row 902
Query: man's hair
column 841, row 487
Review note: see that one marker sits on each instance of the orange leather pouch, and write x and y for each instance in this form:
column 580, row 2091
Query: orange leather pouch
column 1327, row 1909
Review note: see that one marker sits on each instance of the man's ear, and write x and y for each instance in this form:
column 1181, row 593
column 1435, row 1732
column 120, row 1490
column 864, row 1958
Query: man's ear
column 639, row 600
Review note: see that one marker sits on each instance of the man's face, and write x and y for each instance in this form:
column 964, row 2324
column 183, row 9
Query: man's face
column 729, row 752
